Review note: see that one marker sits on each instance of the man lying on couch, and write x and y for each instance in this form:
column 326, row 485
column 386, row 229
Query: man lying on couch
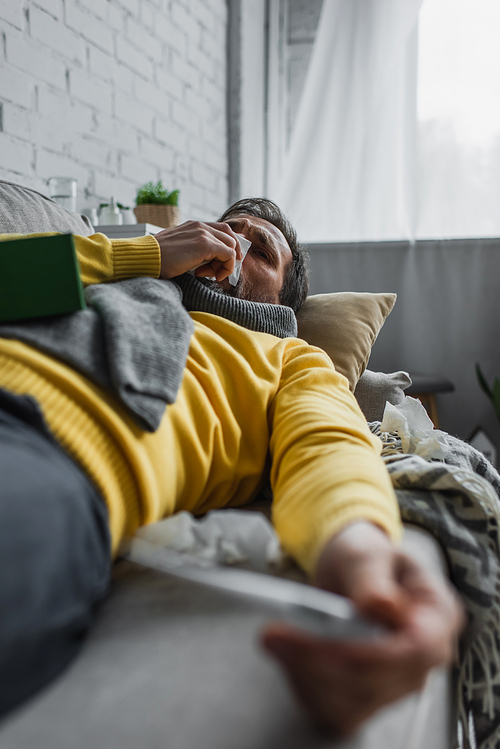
column 88, row 453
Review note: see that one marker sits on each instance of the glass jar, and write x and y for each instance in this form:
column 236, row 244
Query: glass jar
column 63, row 190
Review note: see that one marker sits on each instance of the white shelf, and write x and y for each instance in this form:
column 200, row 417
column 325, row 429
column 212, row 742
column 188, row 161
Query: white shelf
column 125, row 231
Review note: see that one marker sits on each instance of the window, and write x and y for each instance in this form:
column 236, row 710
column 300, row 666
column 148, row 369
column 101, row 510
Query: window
column 375, row 145
column 459, row 118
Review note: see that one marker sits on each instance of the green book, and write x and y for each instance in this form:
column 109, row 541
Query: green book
column 39, row 276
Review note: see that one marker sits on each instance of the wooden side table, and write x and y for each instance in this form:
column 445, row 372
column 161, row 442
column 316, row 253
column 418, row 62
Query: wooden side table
column 425, row 387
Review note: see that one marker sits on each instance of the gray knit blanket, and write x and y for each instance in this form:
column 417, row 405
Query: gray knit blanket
column 457, row 501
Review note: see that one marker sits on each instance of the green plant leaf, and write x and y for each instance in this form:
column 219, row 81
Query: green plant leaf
column 482, row 382
column 156, row 194
column 174, row 197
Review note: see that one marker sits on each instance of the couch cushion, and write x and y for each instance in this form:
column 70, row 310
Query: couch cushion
column 26, row 211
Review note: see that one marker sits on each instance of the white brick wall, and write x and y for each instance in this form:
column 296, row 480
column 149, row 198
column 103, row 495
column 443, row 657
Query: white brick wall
column 116, row 93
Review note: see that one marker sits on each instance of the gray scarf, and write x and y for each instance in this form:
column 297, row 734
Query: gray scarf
column 133, row 338
column 262, row 318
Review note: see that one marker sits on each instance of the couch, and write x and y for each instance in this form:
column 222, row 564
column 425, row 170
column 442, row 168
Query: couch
column 171, row 664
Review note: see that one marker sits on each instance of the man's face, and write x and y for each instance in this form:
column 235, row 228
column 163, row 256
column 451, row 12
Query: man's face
column 264, row 267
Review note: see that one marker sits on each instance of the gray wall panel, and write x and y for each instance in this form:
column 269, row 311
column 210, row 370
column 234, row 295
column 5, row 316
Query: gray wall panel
column 446, row 318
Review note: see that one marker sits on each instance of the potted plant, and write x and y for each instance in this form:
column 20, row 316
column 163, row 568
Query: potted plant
column 155, row 205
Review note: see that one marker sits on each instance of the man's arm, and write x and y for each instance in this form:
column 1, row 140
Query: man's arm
column 326, row 468
column 343, row 683
column 336, row 512
column 210, row 248
column 103, row 260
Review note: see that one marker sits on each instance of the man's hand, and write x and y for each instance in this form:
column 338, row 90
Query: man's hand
column 211, row 248
column 342, row 683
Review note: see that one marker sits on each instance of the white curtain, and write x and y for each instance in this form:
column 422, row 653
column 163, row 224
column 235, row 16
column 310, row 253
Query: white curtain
column 459, row 119
column 350, row 170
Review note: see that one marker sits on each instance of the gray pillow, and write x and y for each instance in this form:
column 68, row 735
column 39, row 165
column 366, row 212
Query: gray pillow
column 374, row 389
column 26, row 211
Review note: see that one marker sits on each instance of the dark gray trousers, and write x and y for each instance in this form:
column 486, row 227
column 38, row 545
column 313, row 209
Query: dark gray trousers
column 54, row 552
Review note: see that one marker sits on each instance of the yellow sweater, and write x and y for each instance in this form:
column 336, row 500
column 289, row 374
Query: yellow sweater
column 245, row 397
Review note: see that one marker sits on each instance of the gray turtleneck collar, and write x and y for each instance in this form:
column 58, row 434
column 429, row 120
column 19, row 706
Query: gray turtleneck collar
column 257, row 316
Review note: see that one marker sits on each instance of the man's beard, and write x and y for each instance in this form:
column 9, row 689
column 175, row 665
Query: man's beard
column 240, row 291
column 234, row 291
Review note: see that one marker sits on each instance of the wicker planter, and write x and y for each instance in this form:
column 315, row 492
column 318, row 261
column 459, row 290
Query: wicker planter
column 159, row 215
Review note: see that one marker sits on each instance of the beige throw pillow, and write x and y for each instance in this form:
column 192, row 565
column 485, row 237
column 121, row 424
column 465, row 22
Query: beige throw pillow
column 345, row 325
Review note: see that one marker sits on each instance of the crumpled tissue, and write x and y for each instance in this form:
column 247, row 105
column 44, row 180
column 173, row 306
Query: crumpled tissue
column 415, row 429
column 233, row 537
column 245, row 246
